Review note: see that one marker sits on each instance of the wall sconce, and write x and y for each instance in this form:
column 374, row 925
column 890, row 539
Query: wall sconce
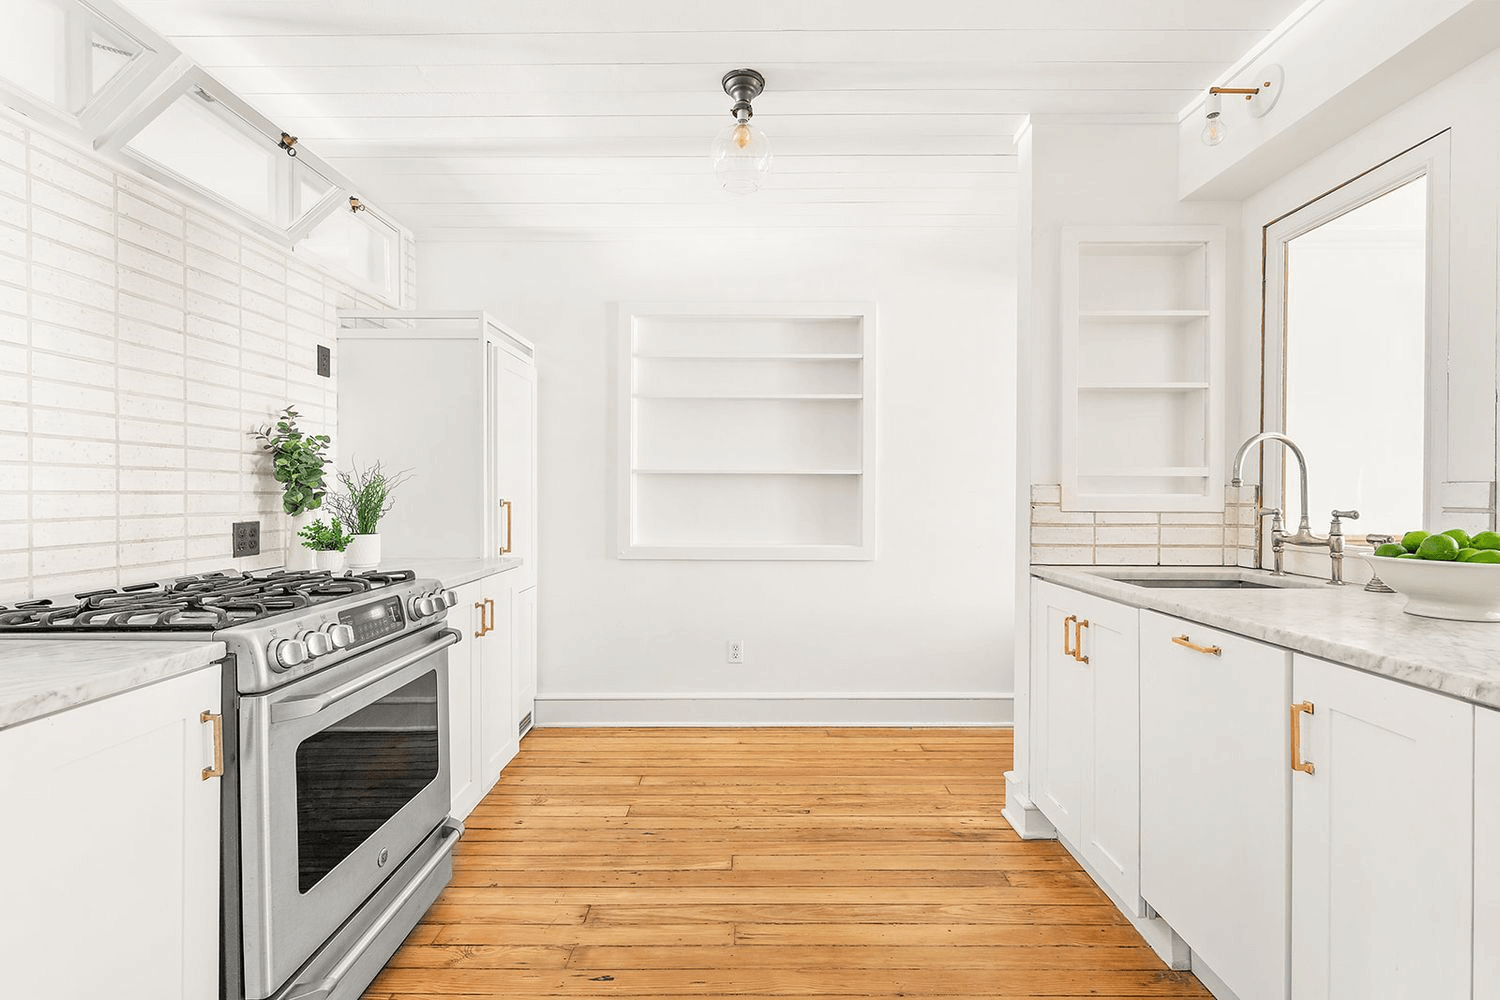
column 355, row 205
column 1258, row 100
column 288, row 143
column 742, row 153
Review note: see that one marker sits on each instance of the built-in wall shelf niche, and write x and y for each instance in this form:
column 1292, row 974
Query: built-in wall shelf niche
column 1143, row 318
column 746, row 431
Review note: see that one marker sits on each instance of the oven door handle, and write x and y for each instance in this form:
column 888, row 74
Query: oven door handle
column 321, row 989
column 312, row 704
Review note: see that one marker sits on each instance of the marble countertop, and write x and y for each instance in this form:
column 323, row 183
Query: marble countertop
column 455, row 572
column 1343, row 624
column 43, row 676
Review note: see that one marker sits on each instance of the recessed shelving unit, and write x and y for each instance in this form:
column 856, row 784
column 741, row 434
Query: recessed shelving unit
column 1143, row 312
column 746, row 431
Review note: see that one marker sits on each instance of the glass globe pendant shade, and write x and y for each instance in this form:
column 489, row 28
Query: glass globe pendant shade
column 742, row 158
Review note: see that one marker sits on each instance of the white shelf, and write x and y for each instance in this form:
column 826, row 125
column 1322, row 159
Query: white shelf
column 648, row 356
column 748, row 472
column 758, row 396
column 1143, row 387
column 1148, row 472
column 1142, row 315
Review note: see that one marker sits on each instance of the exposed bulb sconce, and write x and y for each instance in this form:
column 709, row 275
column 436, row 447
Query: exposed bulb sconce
column 1258, row 101
column 288, row 143
column 742, row 153
column 355, row 205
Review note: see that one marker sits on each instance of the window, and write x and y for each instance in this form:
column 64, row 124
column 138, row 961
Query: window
column 360, row 245
column 201, row 140
column 64, row 59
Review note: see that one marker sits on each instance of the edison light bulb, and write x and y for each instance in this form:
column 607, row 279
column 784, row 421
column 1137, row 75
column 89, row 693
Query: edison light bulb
column 742, row 158
column 1214, row 131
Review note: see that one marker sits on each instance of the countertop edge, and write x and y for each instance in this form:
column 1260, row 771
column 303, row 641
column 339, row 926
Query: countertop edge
column 44, row 677
column 1455, row 682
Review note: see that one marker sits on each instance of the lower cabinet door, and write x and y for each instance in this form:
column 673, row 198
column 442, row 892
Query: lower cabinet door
column 1108, row 637
column 497, row 730
column 1215, row 798
column 523, row 658
column 1059, row 702
column 464, row 700
column 1486, row 852
column 1382, row 839
column 111, row 835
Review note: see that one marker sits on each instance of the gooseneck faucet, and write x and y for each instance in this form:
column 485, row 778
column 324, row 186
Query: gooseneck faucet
column 1303, row 536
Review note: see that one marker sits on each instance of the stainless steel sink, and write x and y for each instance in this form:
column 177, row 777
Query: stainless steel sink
column 1199, row 583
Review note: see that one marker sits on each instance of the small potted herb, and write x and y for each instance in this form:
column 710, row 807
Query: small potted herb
column 297, row 463
column 365, row 498
column 328, row 542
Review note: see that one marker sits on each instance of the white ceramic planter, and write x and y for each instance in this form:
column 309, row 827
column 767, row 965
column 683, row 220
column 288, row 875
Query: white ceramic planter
column 333, row 562
column 363, row 553
column 298, row 556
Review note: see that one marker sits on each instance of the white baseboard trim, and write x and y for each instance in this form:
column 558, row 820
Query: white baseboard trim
column 785, row 708
column 1022, row 814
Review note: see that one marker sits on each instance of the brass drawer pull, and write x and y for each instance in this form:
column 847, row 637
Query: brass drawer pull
column 506, row 548
column 1066, row 622
column 217, row 771
column 1078, row 641
column 489, row 603
column 483, row 628
column 1298, row 764
column 1187, row 643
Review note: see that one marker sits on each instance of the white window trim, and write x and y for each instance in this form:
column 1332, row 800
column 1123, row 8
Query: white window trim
column 1429, row 159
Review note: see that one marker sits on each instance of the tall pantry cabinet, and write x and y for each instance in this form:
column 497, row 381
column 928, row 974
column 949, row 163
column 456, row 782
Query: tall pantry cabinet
column 451, row 398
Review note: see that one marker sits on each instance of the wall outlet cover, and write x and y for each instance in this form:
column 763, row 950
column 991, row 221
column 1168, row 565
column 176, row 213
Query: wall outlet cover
column 736, row 651
column 246, row 538
column 325, row 362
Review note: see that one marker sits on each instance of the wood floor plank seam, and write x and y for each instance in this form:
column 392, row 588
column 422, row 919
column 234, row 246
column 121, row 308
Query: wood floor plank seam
column 750, row 864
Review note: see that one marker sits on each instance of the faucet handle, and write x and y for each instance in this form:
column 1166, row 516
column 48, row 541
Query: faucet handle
column 1339, row 516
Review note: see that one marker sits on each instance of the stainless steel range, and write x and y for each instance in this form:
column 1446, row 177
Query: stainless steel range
column 337, row 836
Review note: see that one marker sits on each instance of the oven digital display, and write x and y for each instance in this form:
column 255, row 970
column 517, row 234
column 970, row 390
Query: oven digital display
column 373, row 621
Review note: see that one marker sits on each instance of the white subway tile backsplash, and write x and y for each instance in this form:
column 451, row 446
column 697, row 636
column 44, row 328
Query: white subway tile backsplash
column 1135, row 538
column 140, row 341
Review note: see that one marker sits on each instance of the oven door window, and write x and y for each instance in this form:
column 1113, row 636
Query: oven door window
column 355, row 775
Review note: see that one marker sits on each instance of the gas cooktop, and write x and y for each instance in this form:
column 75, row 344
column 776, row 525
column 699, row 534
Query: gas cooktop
column 277, row 626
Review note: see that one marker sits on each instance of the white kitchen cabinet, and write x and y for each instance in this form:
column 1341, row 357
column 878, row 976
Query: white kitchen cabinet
column 523, row 657
column 450, row 397
column 1086, row 738
column 1382, row 838
column 465, row 700
column 1486, row 852
column 111, row 831
column 493, row 657
column 1214, row 798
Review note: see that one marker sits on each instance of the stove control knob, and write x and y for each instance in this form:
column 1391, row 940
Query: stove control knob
column 428, row 606
column 317, row 643
column 339, row 636
column 287, row 654
column 415, row 605
column 448, row 597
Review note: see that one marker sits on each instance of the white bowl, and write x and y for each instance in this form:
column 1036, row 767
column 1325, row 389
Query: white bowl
column 1460, row 592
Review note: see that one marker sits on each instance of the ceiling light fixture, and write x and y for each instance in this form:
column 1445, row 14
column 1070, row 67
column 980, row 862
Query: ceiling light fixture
column 1259, row 100
column 742, row 153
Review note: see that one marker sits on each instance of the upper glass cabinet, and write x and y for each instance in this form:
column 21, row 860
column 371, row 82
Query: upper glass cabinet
column 65, row 60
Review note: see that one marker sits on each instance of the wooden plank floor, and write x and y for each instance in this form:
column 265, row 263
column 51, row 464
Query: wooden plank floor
column 746, row 863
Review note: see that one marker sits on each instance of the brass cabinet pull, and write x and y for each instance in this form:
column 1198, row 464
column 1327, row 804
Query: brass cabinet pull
column 1078, row 641
column 1298, row 764
column 489, row 602
column 217, row 771
column 1187, row 643
column 506, row 548
column 483, row 628
column 1066, row 622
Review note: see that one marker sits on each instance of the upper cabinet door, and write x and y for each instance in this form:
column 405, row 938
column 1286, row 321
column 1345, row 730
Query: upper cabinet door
column 515, row 409
column 1382, row 838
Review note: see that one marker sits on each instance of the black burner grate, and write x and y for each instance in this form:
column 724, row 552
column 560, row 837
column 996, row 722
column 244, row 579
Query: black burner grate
column 203, row 603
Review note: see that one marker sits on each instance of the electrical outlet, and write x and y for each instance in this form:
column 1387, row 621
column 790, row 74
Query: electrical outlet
column 325, row 362
column 246, row 538
column 736, row 652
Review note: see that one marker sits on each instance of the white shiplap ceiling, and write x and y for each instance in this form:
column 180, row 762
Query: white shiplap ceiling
column 468, row 119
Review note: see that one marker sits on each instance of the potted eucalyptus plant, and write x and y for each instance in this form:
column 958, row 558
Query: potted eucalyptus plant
column 365, row 498
column 297, row 463
column 327, row 542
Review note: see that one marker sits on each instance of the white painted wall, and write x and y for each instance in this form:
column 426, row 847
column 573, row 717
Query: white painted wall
column 929, row 621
